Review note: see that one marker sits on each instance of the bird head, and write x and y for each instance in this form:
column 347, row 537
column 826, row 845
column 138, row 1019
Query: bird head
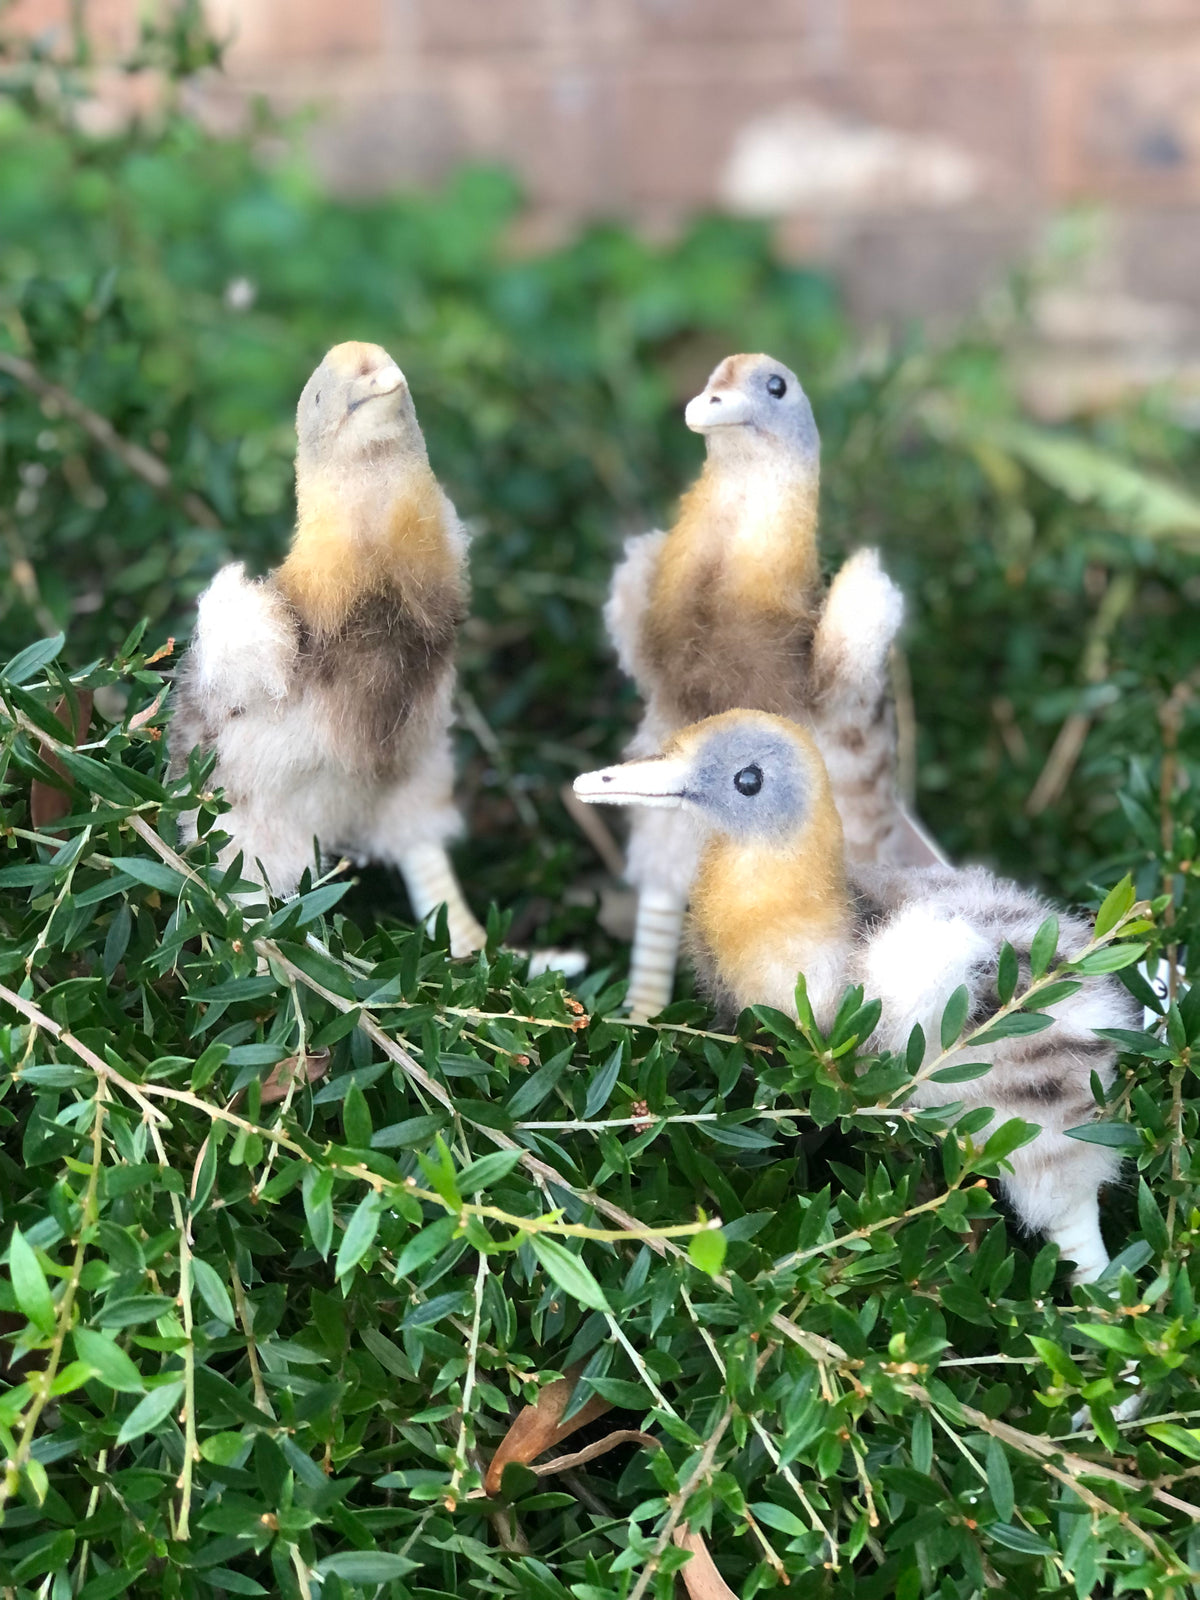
column 751, row 776
column 751, row 405
column 357, row 403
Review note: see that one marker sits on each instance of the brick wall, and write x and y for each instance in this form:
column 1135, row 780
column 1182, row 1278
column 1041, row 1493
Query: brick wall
column 918, row 146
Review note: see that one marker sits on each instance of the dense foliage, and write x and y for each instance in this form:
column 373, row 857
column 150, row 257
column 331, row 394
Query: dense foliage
column 265, row 1327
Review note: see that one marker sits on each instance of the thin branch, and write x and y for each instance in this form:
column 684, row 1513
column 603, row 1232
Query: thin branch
column 144, row 464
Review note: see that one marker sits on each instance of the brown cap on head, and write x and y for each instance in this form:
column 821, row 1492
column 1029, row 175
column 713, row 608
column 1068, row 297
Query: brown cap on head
column 752, row 402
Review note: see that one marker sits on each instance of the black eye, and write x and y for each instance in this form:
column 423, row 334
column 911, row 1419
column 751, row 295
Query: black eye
column 776, row 387
column 317, row 398
column 749, row 780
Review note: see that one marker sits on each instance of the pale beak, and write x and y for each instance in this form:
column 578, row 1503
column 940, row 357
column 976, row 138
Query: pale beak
column 384, row 381
column 659, row 781
column 388, row 379
column 717, row 408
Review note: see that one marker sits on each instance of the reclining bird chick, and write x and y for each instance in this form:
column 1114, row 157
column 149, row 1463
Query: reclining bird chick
column 774, row 897
column 729, row 609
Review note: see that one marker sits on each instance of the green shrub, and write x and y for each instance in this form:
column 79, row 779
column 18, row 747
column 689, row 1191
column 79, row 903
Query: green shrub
column 262, row 1337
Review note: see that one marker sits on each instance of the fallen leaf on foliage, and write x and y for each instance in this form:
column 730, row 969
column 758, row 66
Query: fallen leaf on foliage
column 540, row 1426
column 700, row 1577
column 163, row 650
column 281, row 1076
column 601, row 1447
column 148, row 713
column 46, row 803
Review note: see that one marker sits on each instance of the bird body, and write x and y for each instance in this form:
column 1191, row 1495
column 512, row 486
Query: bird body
column 774, row 896
column 326, row 687
column 729, row 610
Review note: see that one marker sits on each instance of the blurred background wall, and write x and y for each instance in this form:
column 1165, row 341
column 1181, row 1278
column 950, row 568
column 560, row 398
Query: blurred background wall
column 916, row 146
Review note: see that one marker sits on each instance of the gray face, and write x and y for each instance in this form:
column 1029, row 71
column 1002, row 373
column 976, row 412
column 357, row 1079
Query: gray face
column 751, row 401
column 750, row 782
column 357, row 401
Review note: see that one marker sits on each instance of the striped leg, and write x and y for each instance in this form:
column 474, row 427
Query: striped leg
column 655, row 950
column 430, row 881
column 1077, row 1234
column 1079, row 1239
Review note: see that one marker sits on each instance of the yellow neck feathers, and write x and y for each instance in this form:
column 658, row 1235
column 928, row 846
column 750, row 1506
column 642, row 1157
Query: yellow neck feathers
column 767, row 909
column 752, row 535
column 351, row 543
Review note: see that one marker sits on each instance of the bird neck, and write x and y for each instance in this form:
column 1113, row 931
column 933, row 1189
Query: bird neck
column 767, row 909
column 750, row 527
column 379, row 531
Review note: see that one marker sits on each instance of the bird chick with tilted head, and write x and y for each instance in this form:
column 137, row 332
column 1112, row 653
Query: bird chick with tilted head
column 775, row 896
column 729, row 609
column 326, row 687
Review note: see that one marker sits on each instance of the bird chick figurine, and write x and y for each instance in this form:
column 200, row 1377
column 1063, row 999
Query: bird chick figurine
column 729, row 609
column 325, row 688
column 774, row 896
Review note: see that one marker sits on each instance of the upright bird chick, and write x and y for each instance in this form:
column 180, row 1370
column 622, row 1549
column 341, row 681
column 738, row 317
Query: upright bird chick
column 325, row 688
column 727, row 610
column 774, row 897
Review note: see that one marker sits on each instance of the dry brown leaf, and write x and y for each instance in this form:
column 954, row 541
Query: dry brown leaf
column 279, row 1080
column 601, row 1447
column 46, row 803
column 539, row 1427
column 163, row 650
column 148, row 713
column 700, row 1577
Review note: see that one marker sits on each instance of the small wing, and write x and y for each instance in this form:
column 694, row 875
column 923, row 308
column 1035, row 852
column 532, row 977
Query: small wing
column 859, row 620
column 245, row 643
column 242, row 654
column 629, row 597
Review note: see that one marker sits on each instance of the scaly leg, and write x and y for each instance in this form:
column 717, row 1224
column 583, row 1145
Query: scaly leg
column 430, row 881
column 655, row 951
column 1078, row 1237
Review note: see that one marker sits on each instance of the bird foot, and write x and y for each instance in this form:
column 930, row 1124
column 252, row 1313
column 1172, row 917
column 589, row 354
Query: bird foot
column 1124, row 1411
column 569, row 962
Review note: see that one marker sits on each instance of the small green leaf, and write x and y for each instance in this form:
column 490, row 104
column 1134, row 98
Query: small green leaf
column 1016, row 1025
column 955, row 1015
column 108, row 1361
column 961, row 1074
column 601, row 1085
column 422, row 1247
column 317, row 1193
column 360, row 1233
column 1117, row 902
column 29, row 1283
column 1111, row 959
column 1043, row 946
column 365, row 1566
column 1116, row 1135
column 356, row 1119
column 32, row 659
column 487, row 1170
column 999, row 1477
column 1007, row 973
column 1185, row 1440
column 707, row 1251
column 150, row 1411
column 569, row 1272
column 212, row 1291
column 1150, row 1219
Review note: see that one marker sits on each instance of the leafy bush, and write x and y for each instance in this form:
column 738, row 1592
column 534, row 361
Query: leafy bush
column 268, row 1319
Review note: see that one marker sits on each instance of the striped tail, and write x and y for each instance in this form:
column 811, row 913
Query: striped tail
column 430, row 881
column 655, row 952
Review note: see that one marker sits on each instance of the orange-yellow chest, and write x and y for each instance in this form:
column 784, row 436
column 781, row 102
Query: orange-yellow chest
column 766, row 910
column 350, row 544
column 751, row 537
